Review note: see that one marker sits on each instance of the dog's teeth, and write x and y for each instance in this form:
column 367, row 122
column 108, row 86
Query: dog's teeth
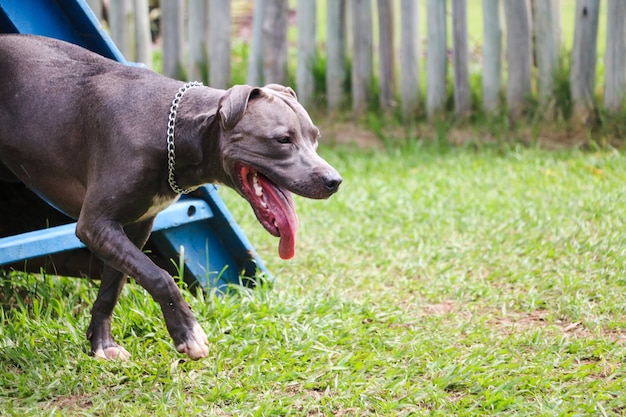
column 258, row 190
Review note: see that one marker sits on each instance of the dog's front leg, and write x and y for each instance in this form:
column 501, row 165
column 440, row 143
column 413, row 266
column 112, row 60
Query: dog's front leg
column 107, row 240
column 99, row 333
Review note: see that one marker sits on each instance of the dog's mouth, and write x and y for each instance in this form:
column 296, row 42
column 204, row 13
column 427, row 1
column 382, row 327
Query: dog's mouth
column 273, row 207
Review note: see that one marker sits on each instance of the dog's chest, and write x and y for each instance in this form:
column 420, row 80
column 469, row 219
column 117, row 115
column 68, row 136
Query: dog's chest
column 159, row 203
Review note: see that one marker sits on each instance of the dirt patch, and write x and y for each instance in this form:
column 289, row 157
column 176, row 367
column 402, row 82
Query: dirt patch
column 522, row 322
column 439, row 309
column 349, row 134
column 519, row 322
column 68, row 403
column 307, row 397
column 546, row 136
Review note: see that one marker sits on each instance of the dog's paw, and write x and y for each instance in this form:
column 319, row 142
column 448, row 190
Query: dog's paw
column 112, row 353
column 196, row 346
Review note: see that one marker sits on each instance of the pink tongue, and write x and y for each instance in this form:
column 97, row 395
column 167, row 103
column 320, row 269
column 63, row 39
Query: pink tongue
column 286, row 218
column 287, row 243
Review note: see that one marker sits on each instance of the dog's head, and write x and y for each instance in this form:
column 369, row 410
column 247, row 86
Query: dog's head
column 269, row 148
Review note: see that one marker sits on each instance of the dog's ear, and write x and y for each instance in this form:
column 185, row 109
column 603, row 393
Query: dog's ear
column 232, row 105
column 282, row 89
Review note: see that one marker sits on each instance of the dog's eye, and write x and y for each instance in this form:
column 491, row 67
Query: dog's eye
column 283, row 139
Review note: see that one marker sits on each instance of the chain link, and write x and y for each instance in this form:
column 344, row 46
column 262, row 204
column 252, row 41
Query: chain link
column 171, row 148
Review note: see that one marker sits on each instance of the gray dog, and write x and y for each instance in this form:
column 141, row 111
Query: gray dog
column 93, row 138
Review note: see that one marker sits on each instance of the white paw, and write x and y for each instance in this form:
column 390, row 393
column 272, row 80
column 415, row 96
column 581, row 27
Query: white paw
column 113, row 352
column 195, row 347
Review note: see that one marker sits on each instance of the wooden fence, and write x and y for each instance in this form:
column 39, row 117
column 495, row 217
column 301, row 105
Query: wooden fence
column 376, row 43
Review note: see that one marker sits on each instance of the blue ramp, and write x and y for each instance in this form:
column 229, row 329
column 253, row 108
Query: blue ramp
column 198, row 232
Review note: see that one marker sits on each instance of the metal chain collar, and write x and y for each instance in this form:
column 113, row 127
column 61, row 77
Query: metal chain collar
column 171, row 149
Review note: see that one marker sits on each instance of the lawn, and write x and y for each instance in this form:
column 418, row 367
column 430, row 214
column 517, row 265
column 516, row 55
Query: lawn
column 440, row 280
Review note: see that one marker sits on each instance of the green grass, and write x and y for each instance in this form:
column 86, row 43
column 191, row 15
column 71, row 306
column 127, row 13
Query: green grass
column 439, row 281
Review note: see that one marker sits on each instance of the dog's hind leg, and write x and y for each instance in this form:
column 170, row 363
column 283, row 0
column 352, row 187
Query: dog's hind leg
column 99, row 333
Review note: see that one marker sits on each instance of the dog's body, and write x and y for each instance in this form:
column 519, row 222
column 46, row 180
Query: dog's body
column 89, row 136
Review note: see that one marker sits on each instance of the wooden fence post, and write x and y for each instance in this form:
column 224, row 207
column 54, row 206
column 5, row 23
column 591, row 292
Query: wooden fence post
column 220, row 45
column 362, row 55
column 386, row 47
column 143, row 37
column 96, row 7
column 275, row 42
column 268, row 53
column 306, row 22
column 518, row 55
column 409, row 57
column 336, row 53
column 120, row 16
column 460, row 58
column 437, row 57
column 172, row 34
column 583, row 72
column 615, row 58
column 492, row 55
column 255, row 57
column 547, row 27
column 198, row 40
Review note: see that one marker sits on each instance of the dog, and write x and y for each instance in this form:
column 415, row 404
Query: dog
column 111, row 145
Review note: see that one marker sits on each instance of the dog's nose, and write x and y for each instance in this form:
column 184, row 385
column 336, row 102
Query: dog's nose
column 332, row 182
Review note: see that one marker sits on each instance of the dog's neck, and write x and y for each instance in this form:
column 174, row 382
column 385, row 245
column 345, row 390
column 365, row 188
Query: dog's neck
column 171, row 129
column 194, row 141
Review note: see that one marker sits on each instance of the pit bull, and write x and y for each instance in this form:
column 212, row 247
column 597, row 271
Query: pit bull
column 111, row 145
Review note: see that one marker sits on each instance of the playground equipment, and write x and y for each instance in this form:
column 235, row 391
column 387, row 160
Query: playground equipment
column 197, row 232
